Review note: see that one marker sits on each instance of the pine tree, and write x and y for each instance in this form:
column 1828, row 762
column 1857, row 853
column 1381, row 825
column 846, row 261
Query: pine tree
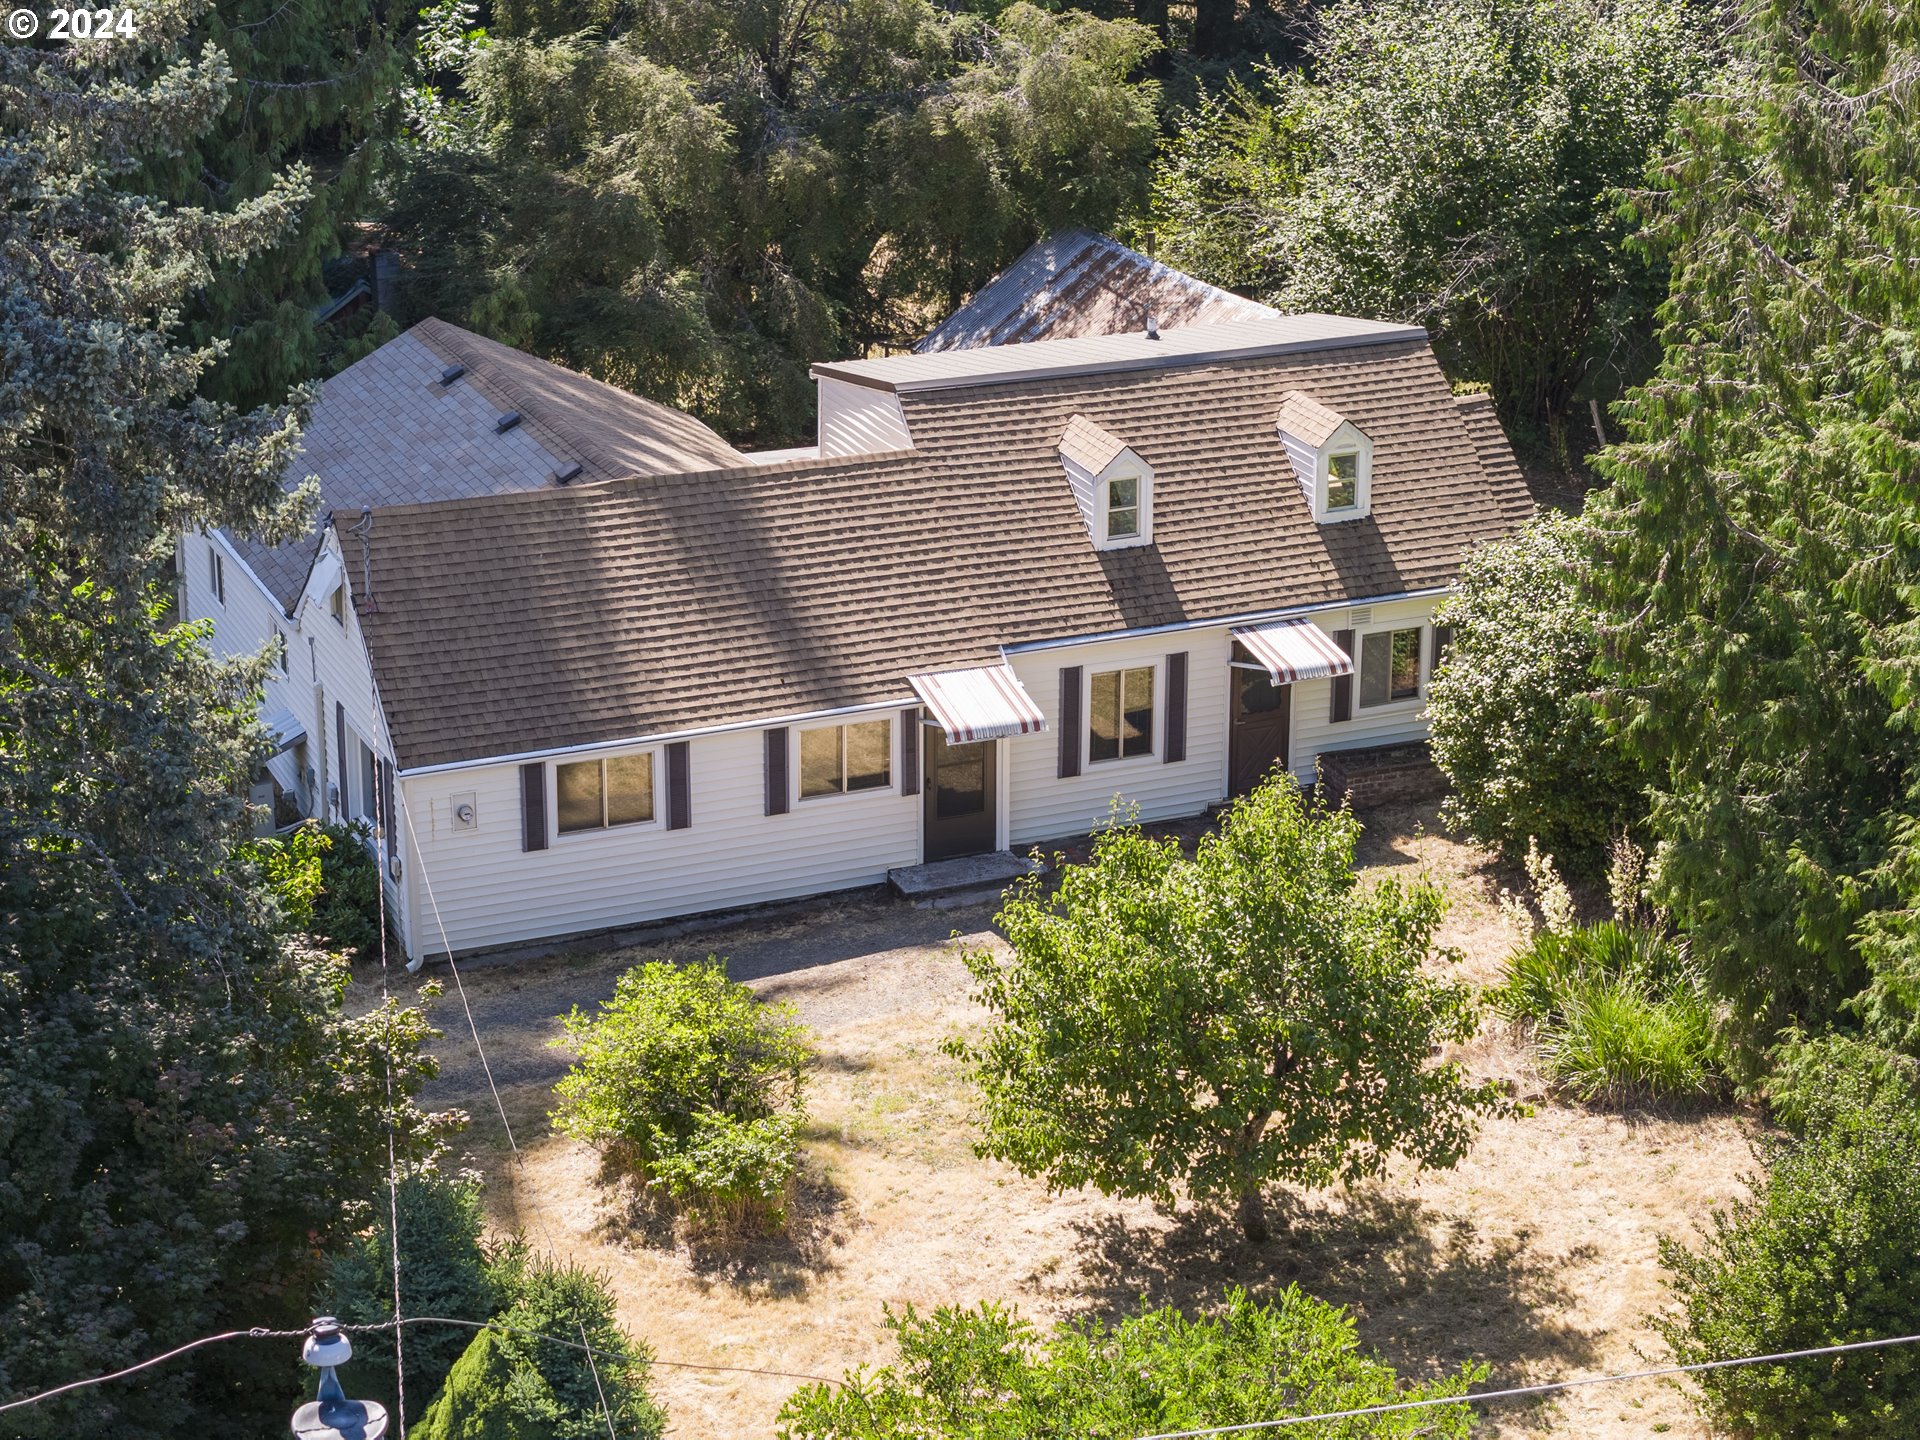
column 184, row 1106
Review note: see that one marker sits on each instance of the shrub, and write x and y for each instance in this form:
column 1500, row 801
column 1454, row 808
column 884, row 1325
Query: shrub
column 688, row 1080
column 1821, row 1254
column 1219, row 1023
column 984, row 1374
column 512, row 1385
column 345, row 913
column 1619, row 1010
column 1512, row 723
column 445, row 1269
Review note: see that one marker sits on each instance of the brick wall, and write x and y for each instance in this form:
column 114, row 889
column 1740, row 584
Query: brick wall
column 1382, row 775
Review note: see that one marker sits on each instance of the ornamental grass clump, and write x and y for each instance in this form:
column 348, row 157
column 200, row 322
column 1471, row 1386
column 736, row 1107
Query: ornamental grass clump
column 688, row 1082
column 1619, row 1012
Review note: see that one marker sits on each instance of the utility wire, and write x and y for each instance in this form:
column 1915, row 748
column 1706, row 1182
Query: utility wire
column 261, row 1333
column 383, row 838
column 1471, row 1398
column 1519, row 1391
column 486, row 1068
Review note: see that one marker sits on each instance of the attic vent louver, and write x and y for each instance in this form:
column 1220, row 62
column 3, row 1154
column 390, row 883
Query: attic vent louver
column 452, row 373
column 506, row 422
column 567, row 475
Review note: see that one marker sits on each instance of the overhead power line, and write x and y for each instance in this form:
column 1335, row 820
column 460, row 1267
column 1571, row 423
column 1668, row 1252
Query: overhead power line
column 1523, row 1391
column 261, row 1333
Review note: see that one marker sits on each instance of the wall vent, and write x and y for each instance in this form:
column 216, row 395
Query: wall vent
column 452, row 373
column 506, row 422
column 1360, row 615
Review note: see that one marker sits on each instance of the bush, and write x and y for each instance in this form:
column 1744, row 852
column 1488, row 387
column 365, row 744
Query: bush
column 1219, row 1023
column 445, row 1269
column 689, row 1081
column 1822, row 1254
column 983, row 1374
column 513, row 1385
column 1619, row 1010
column 1512, row 723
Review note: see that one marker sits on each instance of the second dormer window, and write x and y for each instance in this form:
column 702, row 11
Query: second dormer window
column 1343, row 480
column 1123, row 507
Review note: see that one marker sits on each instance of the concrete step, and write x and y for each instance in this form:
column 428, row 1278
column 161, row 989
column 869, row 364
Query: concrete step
column 964, row 880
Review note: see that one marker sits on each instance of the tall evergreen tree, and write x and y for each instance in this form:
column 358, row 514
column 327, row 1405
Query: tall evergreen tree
column 184, row 1107
column 698, row 199
column 314, row 85
column 1757, row 552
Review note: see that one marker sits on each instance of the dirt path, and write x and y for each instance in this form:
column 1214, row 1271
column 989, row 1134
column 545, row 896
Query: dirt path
column 1534, row 1256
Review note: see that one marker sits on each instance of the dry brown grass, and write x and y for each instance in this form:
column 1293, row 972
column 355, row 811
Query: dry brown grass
column 1536, row 1255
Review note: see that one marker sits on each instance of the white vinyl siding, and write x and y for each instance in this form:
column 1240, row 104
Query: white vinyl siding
column 859, row 419
column 1314, row 732
column 490, row 892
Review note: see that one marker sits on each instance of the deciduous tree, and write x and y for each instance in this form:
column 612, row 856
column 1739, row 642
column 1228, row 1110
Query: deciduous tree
column 1218, row 1023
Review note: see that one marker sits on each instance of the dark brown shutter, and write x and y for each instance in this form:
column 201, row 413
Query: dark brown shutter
column 1176, row 749
column 777, row 772
column 1069, row 721
column 1442, row 637
column 1342, row 684
column 387, row 808
column 340, row 757
column 910, row 750
column 533, row 806
column 679, row 801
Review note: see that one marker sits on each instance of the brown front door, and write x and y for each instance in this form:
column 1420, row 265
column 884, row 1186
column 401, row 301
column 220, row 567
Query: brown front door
column 1262, row 727
column 959, row 796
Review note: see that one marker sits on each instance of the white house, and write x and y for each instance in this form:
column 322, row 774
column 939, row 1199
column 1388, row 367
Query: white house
column 1011, row 584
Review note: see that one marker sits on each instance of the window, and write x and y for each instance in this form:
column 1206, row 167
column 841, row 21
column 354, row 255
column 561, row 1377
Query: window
column 337, row 603
column 839, row 759
column 1390, row 666
column 1122, row 714
column 598, row 794
column 280, row 653
column 216, row 572
column 1343, row 480
column 1123, row 507
column 369, row 811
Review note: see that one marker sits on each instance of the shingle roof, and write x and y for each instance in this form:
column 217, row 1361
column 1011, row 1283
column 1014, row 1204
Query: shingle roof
column 387, row 431
column 1080, row 283
column 1088, row 446
column 516, row 623
column 1305, row 418
column 1090, row 355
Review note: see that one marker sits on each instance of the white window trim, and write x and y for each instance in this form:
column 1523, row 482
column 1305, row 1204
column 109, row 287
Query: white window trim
column 1360, row 478
column 1392, row 707
column 892, row 787
column 1087, row 761
column 601, row 832
column 216, row 573
column 1345, row 441
column 1143, row 502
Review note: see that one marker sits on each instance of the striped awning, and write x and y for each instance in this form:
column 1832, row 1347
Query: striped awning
column 1295, row 650
column 984, row 704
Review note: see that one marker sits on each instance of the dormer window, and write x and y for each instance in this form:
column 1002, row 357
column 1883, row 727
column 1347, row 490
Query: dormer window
column 1332, row 458
column 1111, row 484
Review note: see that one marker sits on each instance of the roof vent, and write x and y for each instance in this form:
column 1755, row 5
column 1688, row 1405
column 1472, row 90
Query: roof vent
column 452, row 373
column 506, row 422
column 1153, row 328
column 567, row 475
